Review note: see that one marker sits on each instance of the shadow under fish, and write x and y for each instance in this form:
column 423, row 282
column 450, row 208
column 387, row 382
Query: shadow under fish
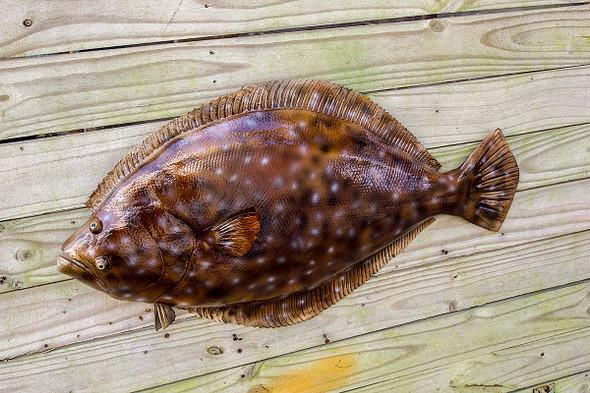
column 270, row 204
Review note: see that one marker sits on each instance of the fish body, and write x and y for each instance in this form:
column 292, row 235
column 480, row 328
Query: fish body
column 270, row 204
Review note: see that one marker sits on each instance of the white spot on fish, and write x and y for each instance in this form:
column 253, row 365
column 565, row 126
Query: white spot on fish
column 279, row 181
column 260, row 260
column 281, row 260
column 330, row 250
column 334, row 187
column 132, row 261
column 264, row 160
column 233, row 177
column 271, row 279
column 247, row 159
column 314, row 231
column 291, row 281
column 235, row 280
column 315, row 197
column 294, row 185
column 219, row 171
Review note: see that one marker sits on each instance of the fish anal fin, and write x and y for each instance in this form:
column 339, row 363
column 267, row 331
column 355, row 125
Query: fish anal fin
column 236, row 236
column 305, row 305
column 163, row 316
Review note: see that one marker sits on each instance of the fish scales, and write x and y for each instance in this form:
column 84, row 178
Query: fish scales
column 270, row 204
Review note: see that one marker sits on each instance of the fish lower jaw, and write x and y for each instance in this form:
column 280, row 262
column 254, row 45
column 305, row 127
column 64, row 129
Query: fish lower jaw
column 66, row 263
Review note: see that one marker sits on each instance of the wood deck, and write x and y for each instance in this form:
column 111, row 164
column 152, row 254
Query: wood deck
column 462, row 309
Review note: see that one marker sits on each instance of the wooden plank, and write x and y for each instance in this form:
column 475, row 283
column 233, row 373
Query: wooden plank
column 97, row 24
column 60, row 173
column 499, row 371
column 479, row 267
column 578, row 383
column 360, row 360
column 28, row 246
column 505, row 370
column 119, row 86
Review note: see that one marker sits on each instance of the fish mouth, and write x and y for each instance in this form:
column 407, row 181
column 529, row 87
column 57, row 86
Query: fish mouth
column 65, row 263
column 73, row 267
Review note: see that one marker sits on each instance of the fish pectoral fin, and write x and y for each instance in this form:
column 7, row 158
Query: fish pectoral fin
column 236, row 236
column 304, row 305
column 163, row 316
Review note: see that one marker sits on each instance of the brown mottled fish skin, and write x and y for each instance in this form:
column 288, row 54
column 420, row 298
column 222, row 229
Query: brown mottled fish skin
column 274, row 202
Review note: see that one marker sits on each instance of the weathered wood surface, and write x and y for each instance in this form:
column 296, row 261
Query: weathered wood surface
column 461, row 310
column 98, row 24
column 104, row 88
column 466, row 351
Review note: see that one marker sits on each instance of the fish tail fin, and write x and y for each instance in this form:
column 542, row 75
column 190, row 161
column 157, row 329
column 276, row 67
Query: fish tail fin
column 492, row 173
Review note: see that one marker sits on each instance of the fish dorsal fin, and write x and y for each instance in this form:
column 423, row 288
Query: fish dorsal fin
column 236, row 236
column 311, row 95
column 304, row 305
column 163, row 316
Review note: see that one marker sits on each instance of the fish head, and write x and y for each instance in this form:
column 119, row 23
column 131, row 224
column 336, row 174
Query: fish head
column 112, row 254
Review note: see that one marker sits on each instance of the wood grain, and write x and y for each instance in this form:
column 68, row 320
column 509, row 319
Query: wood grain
column 397, row 352
column 577, row 383
column 28, row 246
column 120, row 86
column 60, row 173
column 503, row 370
column 420, row 283
column 91, row 24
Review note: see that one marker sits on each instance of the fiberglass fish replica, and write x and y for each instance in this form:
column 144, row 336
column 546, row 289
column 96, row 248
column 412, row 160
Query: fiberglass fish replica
column 270, row 204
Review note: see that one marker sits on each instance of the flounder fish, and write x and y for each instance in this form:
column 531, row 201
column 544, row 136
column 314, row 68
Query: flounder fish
column 266, row 206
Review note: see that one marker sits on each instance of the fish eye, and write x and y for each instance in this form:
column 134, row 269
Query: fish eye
column 95, row 226
column 102, row 263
